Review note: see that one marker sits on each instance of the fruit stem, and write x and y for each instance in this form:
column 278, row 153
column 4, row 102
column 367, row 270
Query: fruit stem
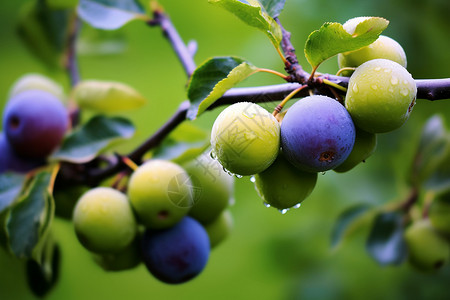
column 345, row 69
column 285, row 77
column 131, row 164
column 285, row 100
column 336, row 86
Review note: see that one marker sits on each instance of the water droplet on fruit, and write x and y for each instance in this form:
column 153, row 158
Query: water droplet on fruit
column 252, row 179
column 283, row 211
column 297, row 205
column 355, row 88
column 391, row 90
column 231, row 201
column 404, row 92
column 249, row 115
column 377, row 68
column 323, row 173
column 238, row 176
column 394, row 80
column 213, row 154
column 387, row 70
column 374, row 87
column 405, row 82
column 266, row 204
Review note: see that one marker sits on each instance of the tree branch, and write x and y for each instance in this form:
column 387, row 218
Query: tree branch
column 182, row 51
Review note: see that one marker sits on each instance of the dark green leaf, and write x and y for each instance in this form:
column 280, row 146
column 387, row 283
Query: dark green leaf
column 252, row 13
column 44, row 31
column 93, row 137
column 30, row 219
column 347, row 222
column 438, row 178
column 273, row 7
column 183, row 144
column 386, row 243
column 212, row 79
column 332, row 39
column 10, row 186
column 110, row 14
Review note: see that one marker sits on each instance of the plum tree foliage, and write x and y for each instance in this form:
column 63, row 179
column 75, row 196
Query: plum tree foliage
column 166, row 202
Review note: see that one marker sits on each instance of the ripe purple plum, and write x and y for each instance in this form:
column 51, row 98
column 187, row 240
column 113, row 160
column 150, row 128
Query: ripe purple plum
column 35, row 122
column 317, row 134
column 10, row 161
column 176, row 254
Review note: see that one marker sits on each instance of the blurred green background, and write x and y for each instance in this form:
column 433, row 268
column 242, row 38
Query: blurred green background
column 269, row 255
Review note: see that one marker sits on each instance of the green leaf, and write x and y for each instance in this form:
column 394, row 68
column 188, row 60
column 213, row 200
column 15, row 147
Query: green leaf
column 252, row 13
column 348, row 221
column 273, row 7
column 107, row 96
column 386, row 243
column 110, row 14
column 93, row 137
column 30, row 218
column 10, row 186
column 44, row 31
column 184, row 144
column 332, row 39
column 212, row 79
column 432, row 149
column 437, row 176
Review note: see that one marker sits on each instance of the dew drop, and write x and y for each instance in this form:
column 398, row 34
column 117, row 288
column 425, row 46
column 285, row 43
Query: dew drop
column 355, row 88
column 394, row 80
column 323, row 173
column 213, row 154
column 391, row 90
column 387, row 70
column 283, row 211
column 252, row 179
column 377, row 68
column 266, row 204
column 374, row 87
column 405, row 82
column 297, row 205
column 238, row 176
column 404, row 92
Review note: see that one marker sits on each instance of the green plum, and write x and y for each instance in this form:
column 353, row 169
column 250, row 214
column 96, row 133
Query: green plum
column 161, row 193
column 365, row 144
column 104, row 221
column 34, row 81
column 245, row 138
column 380, row 96
column 439, row 213
column 127, row 259
column 428, row 250
column 284, row 186
column 219, row 228
column 213, row 188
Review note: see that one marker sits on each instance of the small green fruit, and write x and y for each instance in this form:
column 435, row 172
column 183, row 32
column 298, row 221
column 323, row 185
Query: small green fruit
column 220, row 228
column 33, row 81
column 213, row 188
column 439, row 213
column 161, row 193
column 245, row 138
column 428, row 250
column 365, row 144
column 380, row 96
column 104, row 221
column 282, row 185
column 127, row 259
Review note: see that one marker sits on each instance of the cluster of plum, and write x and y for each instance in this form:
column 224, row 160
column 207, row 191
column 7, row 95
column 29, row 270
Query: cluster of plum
column 170, row 218
column 317, row 133
column 28, row 138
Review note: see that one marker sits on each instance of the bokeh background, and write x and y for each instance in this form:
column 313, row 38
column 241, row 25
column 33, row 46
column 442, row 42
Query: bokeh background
column 268, row 255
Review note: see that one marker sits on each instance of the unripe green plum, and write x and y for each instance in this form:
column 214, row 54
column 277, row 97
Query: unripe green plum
column 384, row 47
column 428, row 250
column 161, row 193
column 213, row 188
column 380, row 96
column 127, row 259
column 104, row 221
column 33, row 81
column 245, row 138
column 219, row 228
column 439, row 213
column 283, row 186
column 365, row 144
